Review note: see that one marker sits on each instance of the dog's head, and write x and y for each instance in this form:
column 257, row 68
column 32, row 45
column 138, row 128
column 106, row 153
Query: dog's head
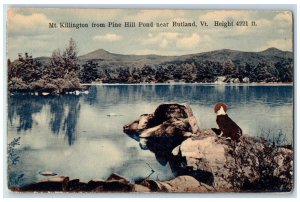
column 220, row 106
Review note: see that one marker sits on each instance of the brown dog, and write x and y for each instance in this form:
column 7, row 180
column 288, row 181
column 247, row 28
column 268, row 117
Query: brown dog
column 227, row 127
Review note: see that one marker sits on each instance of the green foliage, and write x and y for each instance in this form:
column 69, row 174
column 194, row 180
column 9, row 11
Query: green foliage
column 17, row 84
column 259, row 166
column 205, row 67
column 199, row 71
column 89, row 72
column 64, row 63
column 14, row 178
column 61, row 75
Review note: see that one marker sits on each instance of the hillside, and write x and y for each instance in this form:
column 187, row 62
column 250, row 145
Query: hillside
column 270, row 65
column 101, row 56
column 104, row 56
column 267, row 55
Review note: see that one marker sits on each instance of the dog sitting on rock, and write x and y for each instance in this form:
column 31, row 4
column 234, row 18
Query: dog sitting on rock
column 227, row 127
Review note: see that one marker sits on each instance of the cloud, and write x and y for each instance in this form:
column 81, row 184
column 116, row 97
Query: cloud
column 149, row 15
column 173, row 39
column 37, row 45
column 284, row 18
column 162, row 39
column 225, row 15
column 189, row 41
column 167, row 40
column 34, row 23
column 107, row 37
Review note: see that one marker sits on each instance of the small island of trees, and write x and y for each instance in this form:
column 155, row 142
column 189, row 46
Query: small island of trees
column 61, row 75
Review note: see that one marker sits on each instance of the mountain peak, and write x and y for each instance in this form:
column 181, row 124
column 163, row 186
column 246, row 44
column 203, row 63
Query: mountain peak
column 99, row 53
column 271, row 50
column 100, row 50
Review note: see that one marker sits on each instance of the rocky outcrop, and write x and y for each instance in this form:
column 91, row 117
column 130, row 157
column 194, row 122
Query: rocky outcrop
column 164, row 129
column 116, row 183
column 251, row 164
column 167, row 120
column 51, row 184
column 248, row 165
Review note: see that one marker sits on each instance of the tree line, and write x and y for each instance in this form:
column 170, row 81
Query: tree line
column 64, row 73
column 197, row 71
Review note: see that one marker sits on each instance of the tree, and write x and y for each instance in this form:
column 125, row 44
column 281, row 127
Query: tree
column 148, row 73
column 27, row 69
column 177, row 72
column 124, row 74
column 66, row 62
column 89, row 72
column 229, row 68
column 188, row 72
column 70, row 57
column 261, row 72
column 285, row 70
column 206, row 72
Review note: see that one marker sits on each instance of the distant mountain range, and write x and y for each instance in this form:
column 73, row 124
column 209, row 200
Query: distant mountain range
column 229, row 66
column 101, row 56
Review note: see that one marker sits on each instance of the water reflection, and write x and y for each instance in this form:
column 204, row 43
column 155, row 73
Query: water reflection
column 73, row 136
column 21, row 108
column 63, row 113
column 235, row 95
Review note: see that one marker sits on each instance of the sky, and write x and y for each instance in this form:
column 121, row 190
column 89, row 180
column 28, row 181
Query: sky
column 28, row 31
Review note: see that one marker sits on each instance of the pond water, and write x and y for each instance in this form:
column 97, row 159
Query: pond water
column 72, row 135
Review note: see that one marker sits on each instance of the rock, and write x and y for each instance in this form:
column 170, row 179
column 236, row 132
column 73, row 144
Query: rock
column 113, row 183
column 94, row 184
column 51, row 184
column 234, row 80
column 117, row 186
column 246, row 80
column 250, row 164
column 220, row 79
column 178, row 184
column 76, row 185
column 167, row 120
column 117, row 177
column 47, row 173
column 140, row 188
column 163, row 130
column 45, row 93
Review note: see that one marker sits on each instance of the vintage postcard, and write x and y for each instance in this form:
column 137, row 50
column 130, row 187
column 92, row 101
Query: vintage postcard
column 132, row 100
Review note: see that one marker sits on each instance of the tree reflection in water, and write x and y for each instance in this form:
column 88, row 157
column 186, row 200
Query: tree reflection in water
column 64, row 113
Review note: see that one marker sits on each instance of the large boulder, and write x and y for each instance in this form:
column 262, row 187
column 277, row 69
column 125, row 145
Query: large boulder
column 248, row 165
column 164, row 129
column 167, row 120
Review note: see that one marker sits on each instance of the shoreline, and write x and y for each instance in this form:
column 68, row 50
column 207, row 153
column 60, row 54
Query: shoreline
column 83, row 86
column 190, row 84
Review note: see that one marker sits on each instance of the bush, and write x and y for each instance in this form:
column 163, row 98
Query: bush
column 17, row 84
